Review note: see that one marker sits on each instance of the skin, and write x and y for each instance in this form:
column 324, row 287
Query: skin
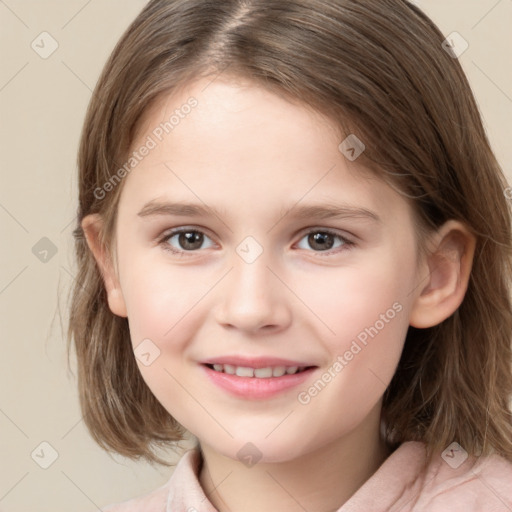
column 254, row 156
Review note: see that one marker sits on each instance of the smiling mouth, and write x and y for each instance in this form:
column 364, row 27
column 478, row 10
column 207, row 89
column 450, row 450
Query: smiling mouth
column 258, row 373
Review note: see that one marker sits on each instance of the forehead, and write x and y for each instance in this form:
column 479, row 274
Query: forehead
column 231, row 142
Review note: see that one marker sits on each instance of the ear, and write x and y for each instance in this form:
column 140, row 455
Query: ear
column 92, row 226
column 448, row 265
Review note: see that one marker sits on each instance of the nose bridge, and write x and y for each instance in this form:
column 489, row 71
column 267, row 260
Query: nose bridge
column 251, row 277
column 252, row 297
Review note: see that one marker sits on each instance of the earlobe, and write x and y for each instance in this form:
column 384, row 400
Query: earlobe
column 92, row 225
column 449, row 264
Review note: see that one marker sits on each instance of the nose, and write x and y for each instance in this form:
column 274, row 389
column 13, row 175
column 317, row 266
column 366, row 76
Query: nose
column 253, row 299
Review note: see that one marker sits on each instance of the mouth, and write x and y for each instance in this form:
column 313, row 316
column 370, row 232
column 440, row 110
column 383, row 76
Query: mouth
column 267, row 372
column 257, row 379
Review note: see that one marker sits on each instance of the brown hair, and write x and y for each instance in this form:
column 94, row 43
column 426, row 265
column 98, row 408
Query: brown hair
column 378, row 69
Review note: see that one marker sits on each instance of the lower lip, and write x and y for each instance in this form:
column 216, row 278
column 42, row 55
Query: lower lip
column 254, row 387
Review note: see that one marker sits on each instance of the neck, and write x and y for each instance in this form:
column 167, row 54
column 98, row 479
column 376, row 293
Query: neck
column 321, row 480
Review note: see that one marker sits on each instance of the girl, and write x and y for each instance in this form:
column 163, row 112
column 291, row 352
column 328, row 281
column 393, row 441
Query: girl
column 294, row 243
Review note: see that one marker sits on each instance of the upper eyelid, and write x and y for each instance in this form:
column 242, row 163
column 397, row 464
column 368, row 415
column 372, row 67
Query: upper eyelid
column 347, row 240
column 303, row 232
column 184, row 229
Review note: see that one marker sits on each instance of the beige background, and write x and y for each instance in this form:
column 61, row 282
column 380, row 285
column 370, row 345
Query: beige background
column 42, row 106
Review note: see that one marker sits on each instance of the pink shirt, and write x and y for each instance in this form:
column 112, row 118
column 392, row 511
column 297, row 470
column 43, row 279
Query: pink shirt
column 485, row 486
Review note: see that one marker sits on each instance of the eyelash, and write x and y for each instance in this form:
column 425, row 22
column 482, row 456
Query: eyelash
column 347, row 244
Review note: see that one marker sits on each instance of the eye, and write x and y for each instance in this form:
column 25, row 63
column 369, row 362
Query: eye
column 185, row 240
column 322, row 240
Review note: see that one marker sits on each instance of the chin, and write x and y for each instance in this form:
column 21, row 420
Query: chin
column 251, row 451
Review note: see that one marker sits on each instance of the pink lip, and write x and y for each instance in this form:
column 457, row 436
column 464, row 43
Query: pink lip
column 254, row 388
column 254, row 362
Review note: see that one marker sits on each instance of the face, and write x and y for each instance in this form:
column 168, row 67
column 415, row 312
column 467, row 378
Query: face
column 258, row 273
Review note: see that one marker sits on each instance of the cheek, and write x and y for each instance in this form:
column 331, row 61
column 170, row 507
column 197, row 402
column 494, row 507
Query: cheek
column 371, row 327
column 158, row 298
column 349, row 299
column 364, row 310
column 163, row 308
column 152, row 312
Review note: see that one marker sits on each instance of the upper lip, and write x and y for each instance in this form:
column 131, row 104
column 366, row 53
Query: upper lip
column 255, row 362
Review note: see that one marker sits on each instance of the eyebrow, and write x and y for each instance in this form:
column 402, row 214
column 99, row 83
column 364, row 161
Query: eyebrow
column 155, row 207
column 313, row 211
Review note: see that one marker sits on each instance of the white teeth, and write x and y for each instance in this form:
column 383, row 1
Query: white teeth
column 278, row 371
column 243, row 371
column 229, row 369
column 264, row 373
column 260, row 373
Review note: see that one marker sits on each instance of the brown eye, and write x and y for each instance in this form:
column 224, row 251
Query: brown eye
column 190, row 240
column 321, row 240
column 184, row 240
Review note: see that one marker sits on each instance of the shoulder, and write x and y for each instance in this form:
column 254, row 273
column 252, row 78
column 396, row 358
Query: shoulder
column 455, row 482
column 155, row 501
column 173, row 494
